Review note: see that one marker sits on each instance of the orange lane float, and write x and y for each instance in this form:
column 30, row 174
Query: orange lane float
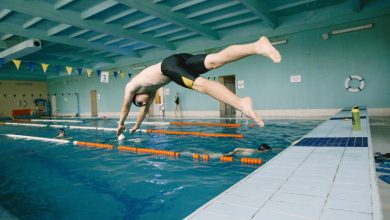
column 249, row 160
column 195, row 133
column 149, row 151
column 180, row 123
column 92, row 144
column 205, row 157
column 226, row 158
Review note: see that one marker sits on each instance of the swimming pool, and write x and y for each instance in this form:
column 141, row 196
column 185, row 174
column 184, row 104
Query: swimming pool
column 41, row 180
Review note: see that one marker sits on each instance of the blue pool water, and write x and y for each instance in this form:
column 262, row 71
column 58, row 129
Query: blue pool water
column 41, row 180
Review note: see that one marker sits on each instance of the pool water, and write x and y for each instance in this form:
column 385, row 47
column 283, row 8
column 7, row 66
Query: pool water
column 41, row 180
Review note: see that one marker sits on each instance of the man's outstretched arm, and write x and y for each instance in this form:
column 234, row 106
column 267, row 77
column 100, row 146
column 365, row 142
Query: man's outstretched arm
column 129, row 94
column 142, row 113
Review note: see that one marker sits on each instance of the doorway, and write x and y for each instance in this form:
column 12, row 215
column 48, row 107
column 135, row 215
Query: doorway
column 158, row 108
column 94, row 111
column 226, row 110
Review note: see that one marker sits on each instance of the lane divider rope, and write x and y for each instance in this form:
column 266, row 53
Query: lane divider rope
column 170, row 132
column 205, row 157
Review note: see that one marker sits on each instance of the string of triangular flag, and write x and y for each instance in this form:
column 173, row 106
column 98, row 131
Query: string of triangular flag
column 58, row 68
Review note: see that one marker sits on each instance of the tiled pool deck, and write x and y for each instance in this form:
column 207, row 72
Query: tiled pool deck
column 329, row 174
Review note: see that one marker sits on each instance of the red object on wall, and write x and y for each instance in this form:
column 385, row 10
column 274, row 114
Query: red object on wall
column 21, row 112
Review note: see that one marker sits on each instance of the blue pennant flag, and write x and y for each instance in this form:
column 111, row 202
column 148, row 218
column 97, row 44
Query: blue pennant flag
column 115, row 74
column 129, row 74
column 31, row 66
column 2, row 60
column 98, row 72
column 57, row 69
column 79, row 70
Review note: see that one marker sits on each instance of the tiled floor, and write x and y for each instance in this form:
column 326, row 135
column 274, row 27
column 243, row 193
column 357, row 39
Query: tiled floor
column 380, row 132
column 319, row 181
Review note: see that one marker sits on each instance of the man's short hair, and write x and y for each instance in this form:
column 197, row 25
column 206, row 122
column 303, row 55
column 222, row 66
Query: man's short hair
column 135, row 102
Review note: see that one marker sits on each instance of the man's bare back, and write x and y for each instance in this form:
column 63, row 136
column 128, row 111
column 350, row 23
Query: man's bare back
column 148, row 80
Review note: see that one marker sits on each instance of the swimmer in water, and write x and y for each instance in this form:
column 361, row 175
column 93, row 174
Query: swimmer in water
column 249, row 151
column 60, row 133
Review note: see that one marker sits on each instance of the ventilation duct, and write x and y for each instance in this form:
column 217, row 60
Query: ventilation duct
column 20, row 50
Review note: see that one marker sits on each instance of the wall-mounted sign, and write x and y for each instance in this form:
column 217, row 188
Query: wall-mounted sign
column 104, row 77
column 240, row 84
column 295, row 79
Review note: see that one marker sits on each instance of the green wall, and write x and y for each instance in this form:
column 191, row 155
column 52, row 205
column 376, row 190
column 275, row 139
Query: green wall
column 323, row 65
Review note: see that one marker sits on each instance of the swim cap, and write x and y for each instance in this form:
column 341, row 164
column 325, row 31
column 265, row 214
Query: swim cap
column 264, row 147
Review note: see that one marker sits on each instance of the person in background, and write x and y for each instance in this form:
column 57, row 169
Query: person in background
column 177, row 104
column 249, row 151
column 61, row 133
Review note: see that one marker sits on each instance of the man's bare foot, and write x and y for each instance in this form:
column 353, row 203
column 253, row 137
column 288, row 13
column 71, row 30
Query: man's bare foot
column 265, row 48
column 246, row 107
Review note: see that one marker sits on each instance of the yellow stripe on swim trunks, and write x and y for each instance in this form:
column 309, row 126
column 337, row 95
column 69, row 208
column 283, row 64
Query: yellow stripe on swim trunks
column 189, row 83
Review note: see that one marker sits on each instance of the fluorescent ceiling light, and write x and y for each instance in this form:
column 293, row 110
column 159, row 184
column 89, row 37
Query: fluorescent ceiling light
column 139, row 67
column 279, row 42
column 357, row 28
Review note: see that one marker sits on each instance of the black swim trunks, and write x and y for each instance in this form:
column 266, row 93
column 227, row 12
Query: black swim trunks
column 184, row 68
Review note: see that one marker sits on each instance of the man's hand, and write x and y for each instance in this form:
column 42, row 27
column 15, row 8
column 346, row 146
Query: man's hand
column 133, row 129
column 120, row 130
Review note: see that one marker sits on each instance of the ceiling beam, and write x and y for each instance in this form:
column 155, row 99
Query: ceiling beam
column 32, row 22
column 111, row 55
column 127, row 44
column 97, row 37
column 292, row 5
column 213, row 8
column 6, row 37
column 42, row 35
column 186, row 4
column 172, row 31
column 261, row 9
column 155, row 27
column 62, row 3
column 4, row 13
column 57, row 29
column 236, row 22
column 164, row 12
column 46, row 11
column 96, row 9
column 138, row 21
column 226, row 16
column 113, row 41
column 120, row 15
column 98, row 53
column 78, row 33
column 178, row 37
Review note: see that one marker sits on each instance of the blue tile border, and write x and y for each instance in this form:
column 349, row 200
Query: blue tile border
column 333, row 142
